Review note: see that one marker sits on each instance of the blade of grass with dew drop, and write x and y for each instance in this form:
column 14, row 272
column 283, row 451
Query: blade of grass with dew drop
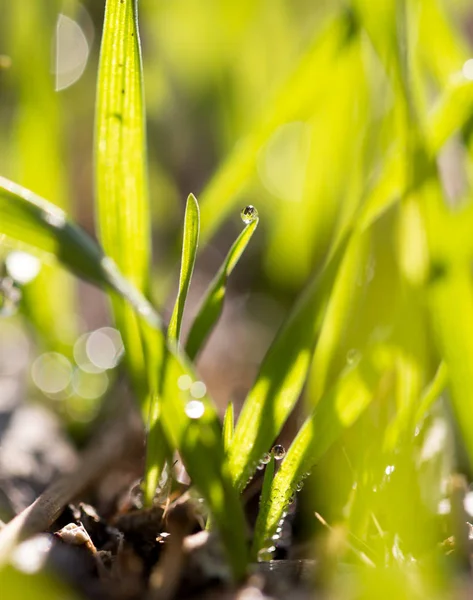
column 31, row 219
column 120, row 169
column 212, row 305
column 289, row 355
column 189, row 251
column 228, row 426
column 281, row 376
column 337, row 410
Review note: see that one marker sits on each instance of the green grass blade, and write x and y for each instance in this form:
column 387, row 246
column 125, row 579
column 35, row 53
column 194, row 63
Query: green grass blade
column 120, row 146
column 42, row 226
column 189, row 251
column 281, row 376
column 30, row 219
column 212, row 304
column 192, row 426
column 44, row 229
column 228, row 426
column 337, row 410
column 120, row 169
column 267, row 482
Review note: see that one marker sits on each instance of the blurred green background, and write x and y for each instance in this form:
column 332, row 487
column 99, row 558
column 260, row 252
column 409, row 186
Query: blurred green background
column 309, row 111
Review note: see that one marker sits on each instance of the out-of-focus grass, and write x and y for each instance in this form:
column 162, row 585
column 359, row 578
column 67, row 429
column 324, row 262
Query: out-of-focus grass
column 349, row 127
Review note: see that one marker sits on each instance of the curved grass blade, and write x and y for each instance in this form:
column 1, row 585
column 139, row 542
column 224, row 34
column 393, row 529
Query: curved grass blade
column 44, row 228
column 34, row 221
column 212, row 304
column 189, row 252
column 337, row 410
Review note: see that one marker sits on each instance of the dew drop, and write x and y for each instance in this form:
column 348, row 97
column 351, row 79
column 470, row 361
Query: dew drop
column 260, row 467
column 249, row 214
column 292, row 498
column 55, row 217
column 353, row 356
column 266, row 554
column 266, row 458
column 279, row 452
column 299, row 486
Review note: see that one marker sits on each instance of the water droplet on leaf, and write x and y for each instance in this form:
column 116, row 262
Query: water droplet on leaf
column 279, row 452
column 249, row 214
column 353, row 356
column 266, row 458
column 266, row 554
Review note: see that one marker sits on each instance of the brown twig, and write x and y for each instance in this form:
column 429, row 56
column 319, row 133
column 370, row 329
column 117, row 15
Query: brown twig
column 105, row 449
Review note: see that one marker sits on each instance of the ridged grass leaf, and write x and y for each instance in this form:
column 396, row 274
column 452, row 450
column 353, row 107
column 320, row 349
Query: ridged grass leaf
column 34, row 221
column 120, row 170
column 189, row 251
column 337, row 410
column 212, row 304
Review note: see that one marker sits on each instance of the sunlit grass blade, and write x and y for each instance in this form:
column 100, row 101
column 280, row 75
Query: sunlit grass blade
column 120, row 145
column 344, row 295
column 43, row 229
column 32, row 220
column 212, row 304
column 228, row 426
column 281, row 376
column 42, row 226
column 337, row 410
column 120, row 170
column 189, row 252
